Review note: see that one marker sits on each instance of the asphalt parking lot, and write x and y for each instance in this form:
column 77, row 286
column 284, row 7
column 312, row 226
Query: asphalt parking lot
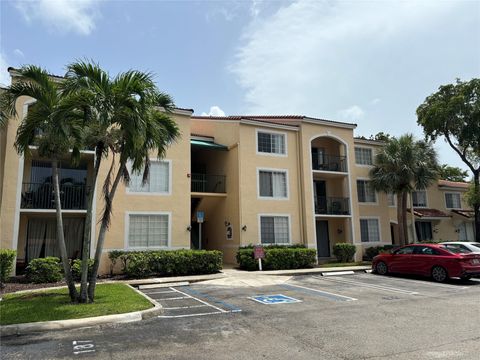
column 361, row 316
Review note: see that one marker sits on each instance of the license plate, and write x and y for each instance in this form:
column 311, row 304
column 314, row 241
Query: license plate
column 475, row 261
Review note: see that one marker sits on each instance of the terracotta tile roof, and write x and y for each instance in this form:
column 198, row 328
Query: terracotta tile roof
column 428, row 213
column 469, row 214
column 446, row 183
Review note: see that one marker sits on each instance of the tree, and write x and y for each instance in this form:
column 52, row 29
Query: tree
column 401, row 166
column 454, row 113
column 126, row 117
column 49, row 126
column 381, row 136
column 452, row 173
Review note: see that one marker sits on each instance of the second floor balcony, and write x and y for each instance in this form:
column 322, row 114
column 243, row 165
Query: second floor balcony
column 327, row 162
column 41, row 196
column 204, row 183
column 332, row 205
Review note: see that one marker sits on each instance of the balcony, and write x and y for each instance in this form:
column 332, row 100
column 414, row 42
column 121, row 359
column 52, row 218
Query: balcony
column 326, row 162
column 41, row 196
column 204, row 183
column 332, row 206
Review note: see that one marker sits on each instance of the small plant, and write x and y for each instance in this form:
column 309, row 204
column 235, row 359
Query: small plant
column 44, row 270
column 77, row 269
column 7, row 257
column 114, row 255
column 344, row 252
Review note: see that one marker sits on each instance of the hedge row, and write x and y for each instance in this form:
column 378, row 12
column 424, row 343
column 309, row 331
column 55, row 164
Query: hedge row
column 138, row 264
column 373, row 251
column 278, row 258
column 7, row 258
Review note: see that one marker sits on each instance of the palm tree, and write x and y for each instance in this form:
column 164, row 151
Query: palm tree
column 126, row 117
column 401, row 166
column 59, row 134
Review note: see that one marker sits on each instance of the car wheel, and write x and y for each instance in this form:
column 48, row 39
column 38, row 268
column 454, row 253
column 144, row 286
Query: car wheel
column 439, row 274
column 466, row 277
column 381, row 268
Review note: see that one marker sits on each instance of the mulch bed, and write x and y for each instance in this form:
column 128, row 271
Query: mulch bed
column 18, row 283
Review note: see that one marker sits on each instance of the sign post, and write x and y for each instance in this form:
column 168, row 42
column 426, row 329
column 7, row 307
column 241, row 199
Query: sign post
column 259, row 253
column 200, row 218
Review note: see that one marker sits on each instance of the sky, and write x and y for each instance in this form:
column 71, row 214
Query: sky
column 367, row 62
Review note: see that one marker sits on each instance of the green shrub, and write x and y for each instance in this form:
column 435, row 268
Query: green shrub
column 344, row 252
column 140, row 264
column 77, row 269
column 371, row 252
column 44, row 270
column 278, row 258
column 7, row 257
column 114, row 255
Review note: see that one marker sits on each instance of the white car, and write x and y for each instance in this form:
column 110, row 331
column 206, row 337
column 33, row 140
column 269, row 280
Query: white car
column 462, row 246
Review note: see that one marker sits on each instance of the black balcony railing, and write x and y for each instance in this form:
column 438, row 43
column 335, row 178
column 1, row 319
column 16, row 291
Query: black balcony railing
column 328, row 162
column 208, row 183
column 332, row 205
column 41, row 196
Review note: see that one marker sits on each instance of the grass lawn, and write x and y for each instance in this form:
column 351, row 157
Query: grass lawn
column 55, row 304
column 338, row 264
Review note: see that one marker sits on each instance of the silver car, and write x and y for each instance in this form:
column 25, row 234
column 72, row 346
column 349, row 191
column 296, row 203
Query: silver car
column 462, row 246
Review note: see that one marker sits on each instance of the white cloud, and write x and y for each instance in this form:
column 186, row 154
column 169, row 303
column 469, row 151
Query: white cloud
column 374, row 101
column 353, row 113
column 62, row 15
column 214, row 111
column 18, row 53
column 4, row 75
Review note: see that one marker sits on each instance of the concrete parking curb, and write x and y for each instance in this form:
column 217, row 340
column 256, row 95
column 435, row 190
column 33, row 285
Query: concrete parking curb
column 314, row 271
column 28, row 328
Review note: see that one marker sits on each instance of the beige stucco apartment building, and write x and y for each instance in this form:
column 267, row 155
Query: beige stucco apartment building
column 255, row 179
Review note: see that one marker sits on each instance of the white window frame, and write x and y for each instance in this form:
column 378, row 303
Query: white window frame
column 379, row 229
column 259, row 219
column 374, row 191
column 285, row 171
column 127, row 230
column 366, row 148
column 394, row 200
column 426, row 199
column 453, row 193
column 145, row 193
column 272, row 132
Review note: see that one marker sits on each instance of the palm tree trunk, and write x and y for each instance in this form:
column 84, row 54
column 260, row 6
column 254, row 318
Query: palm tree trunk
column 476, row 207
column 400, row 217
column 101, row 237
column 60, row 235
column 87, row 231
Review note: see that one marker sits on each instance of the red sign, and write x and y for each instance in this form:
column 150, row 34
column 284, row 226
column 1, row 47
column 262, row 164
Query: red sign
column 258, row 252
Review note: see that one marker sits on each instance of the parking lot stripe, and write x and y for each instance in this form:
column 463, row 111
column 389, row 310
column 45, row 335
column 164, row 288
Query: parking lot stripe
column 175, row 298
column 189, row 315
column 371, row 286
column 159, row 292
column 326, row 294
column 203, row 302
column 184, row 307
column 426, row 282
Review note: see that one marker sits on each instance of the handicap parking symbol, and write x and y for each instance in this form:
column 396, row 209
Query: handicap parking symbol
column 275, row 299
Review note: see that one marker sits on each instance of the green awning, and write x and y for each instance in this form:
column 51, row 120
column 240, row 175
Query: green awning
column 208, row 144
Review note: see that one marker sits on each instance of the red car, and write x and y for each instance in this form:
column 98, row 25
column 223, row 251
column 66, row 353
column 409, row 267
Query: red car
column 433, row 260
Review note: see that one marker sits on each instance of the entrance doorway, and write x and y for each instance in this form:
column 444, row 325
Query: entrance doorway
column 323, row 241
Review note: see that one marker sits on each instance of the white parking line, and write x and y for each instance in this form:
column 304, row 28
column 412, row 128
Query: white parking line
column 325, row 293
column 426, row 282
column 184, row 307
column 368, row 285
column 175, row 298
column 159, row 292
column 201, row 301
column 189, row 315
